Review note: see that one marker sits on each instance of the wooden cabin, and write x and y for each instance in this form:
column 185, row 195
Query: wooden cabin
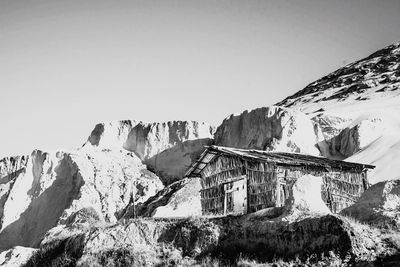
column 239, row 181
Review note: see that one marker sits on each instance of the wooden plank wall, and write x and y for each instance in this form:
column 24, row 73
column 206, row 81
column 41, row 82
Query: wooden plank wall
column 340, row 188
column 262, row 185
column 221, row 170
column 269, row 185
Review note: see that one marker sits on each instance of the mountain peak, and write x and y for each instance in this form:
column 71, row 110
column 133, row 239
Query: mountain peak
column 376, row 76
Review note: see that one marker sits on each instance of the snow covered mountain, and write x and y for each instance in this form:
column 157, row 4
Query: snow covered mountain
column 357, row 108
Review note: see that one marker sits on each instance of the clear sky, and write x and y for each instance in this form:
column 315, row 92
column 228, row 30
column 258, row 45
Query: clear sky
column 67, row 65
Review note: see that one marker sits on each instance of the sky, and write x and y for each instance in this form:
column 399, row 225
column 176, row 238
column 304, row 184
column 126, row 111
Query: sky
column 68, row 65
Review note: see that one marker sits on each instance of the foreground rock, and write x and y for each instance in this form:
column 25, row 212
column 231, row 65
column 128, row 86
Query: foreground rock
column 48, row 189
column 156, row 144
column 379, row 205
column 269, row 128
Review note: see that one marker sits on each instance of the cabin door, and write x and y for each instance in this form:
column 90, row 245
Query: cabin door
column 236, row 197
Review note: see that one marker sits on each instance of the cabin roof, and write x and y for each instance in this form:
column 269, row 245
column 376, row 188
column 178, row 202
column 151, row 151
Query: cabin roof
column 279, row 158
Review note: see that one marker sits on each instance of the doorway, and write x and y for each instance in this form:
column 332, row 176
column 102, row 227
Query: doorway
column 236, row 197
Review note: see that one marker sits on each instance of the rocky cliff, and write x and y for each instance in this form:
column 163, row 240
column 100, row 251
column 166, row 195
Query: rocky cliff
column 270, row 128
column 45, row 189
column 156, row 144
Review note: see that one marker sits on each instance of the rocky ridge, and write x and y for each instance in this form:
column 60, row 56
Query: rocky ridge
column 156, row 144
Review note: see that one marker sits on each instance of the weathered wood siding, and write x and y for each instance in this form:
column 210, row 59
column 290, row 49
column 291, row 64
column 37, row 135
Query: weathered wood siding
column 262, row 185
column 340, row 189
column 269, row 185
column 343, row 189
column 214, row 176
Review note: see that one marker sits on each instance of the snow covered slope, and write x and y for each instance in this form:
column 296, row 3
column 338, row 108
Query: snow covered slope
column 358, row 109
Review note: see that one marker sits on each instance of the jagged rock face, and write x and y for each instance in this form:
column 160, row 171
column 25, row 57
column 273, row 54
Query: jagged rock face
column 147, row 139
column 379, row 205
column 10, row 169
column 179, row 199
column 54, row 186
column 269, row 128
column 157, row 144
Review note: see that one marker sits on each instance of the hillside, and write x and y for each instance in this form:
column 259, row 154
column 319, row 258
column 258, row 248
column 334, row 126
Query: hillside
column 357, row 109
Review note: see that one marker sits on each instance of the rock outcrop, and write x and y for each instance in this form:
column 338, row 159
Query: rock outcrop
column 51, row 187
column 270, row 128
column 156, row 144
column 379, row 205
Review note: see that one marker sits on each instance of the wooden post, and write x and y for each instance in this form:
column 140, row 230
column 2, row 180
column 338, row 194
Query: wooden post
column 277, row 189
column 225, row 199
